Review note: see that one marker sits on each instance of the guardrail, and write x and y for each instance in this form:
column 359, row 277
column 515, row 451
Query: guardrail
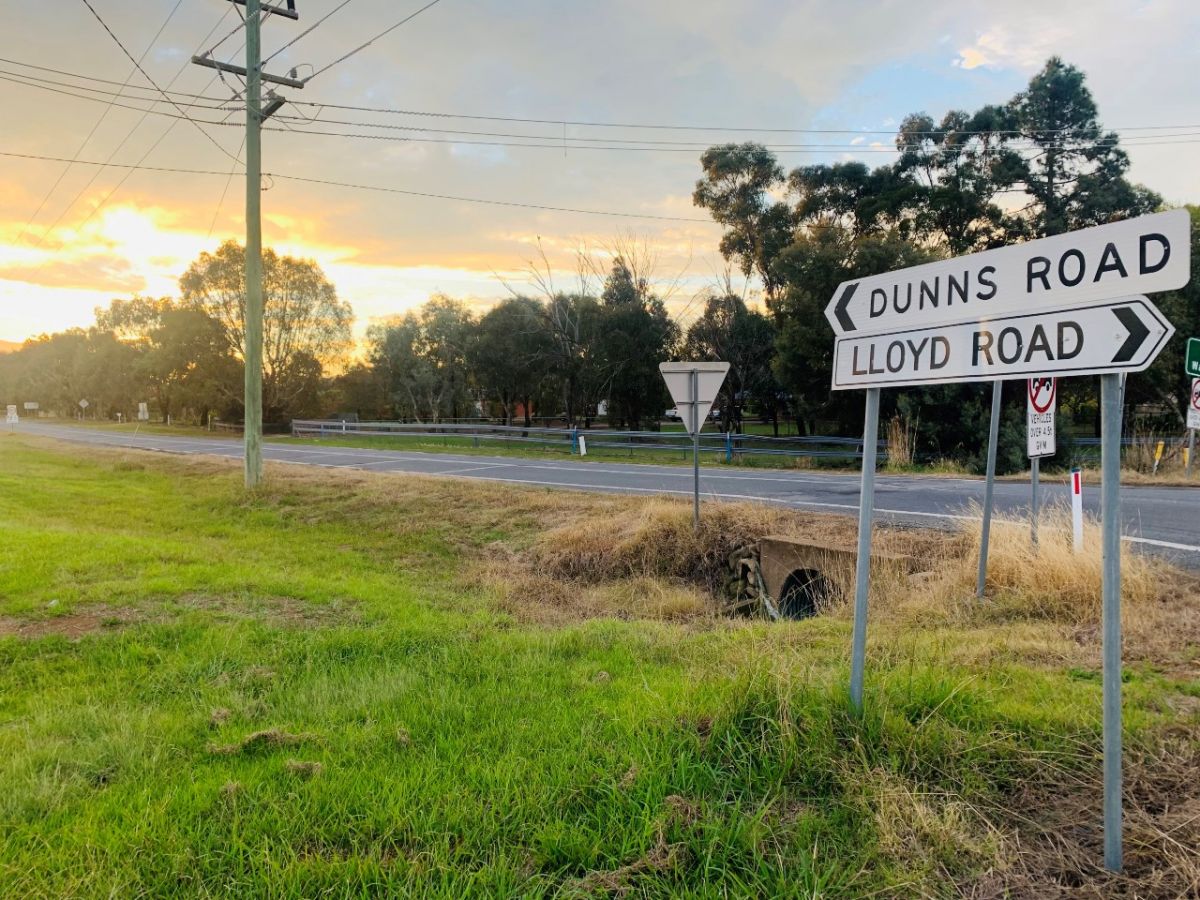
column 567, row 440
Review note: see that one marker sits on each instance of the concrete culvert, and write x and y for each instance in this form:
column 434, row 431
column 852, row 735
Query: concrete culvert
column 805, row 592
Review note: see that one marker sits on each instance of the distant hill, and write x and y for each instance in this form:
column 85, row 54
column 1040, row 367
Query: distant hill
column 9, row 346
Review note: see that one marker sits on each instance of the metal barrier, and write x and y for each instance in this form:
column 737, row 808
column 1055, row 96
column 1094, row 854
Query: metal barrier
column 731, row 445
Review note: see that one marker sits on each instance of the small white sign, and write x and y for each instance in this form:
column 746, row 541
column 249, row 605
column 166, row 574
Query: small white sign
column 143, row 412
column 1041, row 404
column 31, row 405
column 12, row 416
column 83, row 404
column 709, row 378
column 1193, row 416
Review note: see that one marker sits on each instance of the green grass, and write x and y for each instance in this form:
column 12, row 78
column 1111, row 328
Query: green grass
column 461, row 752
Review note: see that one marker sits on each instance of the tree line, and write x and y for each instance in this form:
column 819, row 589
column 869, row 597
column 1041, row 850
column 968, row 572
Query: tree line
column 1038, row 165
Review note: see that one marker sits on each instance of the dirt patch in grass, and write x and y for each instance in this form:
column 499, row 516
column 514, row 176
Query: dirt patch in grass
column 268, row 739
column 72, row 626
column 94, row 618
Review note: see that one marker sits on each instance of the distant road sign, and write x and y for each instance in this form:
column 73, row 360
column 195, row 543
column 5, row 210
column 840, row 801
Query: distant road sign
column 1040, row 408
column 83, row 404
column 709, row 377
column 1192, row 360
column 143, row 412
column 1123, row 336
column 1092, row 265
column 11, row 417
column 31, row 405
column 1193, row 416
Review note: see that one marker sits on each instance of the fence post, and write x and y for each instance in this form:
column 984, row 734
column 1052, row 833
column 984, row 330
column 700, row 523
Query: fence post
column 574, row 441
column 729, row 446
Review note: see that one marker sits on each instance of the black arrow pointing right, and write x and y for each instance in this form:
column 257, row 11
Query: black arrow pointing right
column 1138, row 333
column 839, row 310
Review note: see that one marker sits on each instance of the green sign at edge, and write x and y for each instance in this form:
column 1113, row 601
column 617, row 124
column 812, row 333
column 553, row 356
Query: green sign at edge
column 1192, row 364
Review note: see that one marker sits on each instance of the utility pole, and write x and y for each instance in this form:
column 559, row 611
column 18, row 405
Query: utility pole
column 255, row 116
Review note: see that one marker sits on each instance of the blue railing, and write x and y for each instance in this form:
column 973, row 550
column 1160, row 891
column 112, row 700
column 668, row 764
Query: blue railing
column 731, row 446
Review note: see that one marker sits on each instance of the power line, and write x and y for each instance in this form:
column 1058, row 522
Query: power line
column 38, row 157
column 309, row 30
column 580, row 123
column 849, row 149
column 138, row 66
column 99, row 121
column 361, row 47
column 104, row 200
column 367, row 187
column 70, row 91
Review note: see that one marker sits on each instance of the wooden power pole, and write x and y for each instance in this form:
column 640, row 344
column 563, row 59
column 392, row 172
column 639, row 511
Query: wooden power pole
column 255, row 116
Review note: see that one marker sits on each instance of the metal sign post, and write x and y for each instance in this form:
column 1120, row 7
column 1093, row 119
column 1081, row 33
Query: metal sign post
column 1110, row 543
column 989, row 490
column 862, row 570
column 694, row 387
column 1193, row 422
column 694, row 383
column 1060, row 305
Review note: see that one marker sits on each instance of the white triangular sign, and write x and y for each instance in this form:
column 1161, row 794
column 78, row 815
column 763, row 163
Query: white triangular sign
column 709, row 378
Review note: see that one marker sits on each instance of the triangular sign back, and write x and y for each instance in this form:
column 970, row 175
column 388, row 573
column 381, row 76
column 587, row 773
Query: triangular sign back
column 709, row 377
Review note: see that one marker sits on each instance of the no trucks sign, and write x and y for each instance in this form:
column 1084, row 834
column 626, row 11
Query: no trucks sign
column 1040, row 407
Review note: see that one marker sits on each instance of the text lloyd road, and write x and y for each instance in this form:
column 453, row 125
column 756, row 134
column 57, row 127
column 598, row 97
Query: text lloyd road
column 1124, row 335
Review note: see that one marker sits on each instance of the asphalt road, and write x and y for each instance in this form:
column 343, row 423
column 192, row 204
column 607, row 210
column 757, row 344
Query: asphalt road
column 1164, row 520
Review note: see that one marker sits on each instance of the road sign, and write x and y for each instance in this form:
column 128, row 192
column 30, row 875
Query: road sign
column 709, row 377
column 31, row 405
column 1192, row 361
column 1122, row 336
column 1040, row 407
column 1092, row 265
column 143, row 412
column 1193, row 416
column 12, row 417
column 693, row 387
column 83, row 404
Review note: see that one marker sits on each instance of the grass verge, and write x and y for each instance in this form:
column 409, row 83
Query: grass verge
column 340, row 686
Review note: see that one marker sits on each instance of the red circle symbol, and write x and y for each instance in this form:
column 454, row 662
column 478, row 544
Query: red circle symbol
column 1041, row 393
column 1196, row 394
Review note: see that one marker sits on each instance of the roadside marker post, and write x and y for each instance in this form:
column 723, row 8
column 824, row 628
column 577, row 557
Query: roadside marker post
column 694, row 387
column 1077, row 509
column 1063, row 305
column 1041, row 401
column 989, row 490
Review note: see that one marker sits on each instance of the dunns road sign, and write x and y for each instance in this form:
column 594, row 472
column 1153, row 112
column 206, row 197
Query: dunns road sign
column 1121, row 336
column 1092, row 265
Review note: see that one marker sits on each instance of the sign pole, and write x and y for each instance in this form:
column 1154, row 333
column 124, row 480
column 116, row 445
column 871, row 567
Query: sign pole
column 1191, row 450
column 1110, row 532
column 990, row 488
column 862, row 574
column 1034, row 465
column 695, row 395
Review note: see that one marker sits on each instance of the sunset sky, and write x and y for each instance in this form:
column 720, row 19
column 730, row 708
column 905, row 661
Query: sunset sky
column 800, row 64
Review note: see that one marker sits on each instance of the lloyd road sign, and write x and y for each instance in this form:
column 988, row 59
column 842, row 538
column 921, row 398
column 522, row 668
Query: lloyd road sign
column 1193, row 416
column 1149, row 253
column 1040, row 407
column 1122, row 336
